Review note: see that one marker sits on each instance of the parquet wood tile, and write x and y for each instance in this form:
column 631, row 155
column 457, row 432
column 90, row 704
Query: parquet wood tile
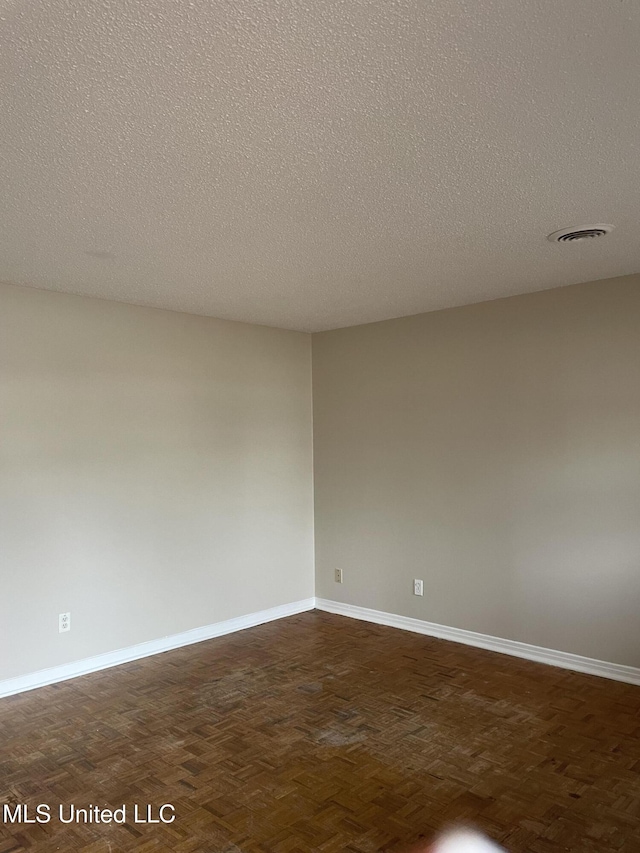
column 321, row 733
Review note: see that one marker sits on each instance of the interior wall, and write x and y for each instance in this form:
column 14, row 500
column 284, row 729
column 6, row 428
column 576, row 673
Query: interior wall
column 156, row 470
column 155, row 474
column 492, row 450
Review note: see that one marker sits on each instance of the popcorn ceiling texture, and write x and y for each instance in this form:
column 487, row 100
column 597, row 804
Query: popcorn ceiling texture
column 316, row 164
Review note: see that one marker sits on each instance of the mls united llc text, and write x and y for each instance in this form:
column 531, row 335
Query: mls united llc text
column 43, row 813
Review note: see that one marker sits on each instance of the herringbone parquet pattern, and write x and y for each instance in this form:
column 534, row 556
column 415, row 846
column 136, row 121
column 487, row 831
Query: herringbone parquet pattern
column 320, row 733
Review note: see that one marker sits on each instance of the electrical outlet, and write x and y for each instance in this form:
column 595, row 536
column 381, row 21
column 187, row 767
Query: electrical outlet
column 64, row 622
column 338, row 576
column 418, row 587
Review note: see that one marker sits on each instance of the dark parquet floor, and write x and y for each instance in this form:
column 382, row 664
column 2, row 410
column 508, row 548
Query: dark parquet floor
column 322, row 733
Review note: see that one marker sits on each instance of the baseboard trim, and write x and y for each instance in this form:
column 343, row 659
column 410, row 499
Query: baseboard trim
column 565, row 660
column 66, row 671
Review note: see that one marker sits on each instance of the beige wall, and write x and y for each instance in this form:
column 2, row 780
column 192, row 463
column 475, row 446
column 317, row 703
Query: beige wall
column 494, row 451
column 156, row 470
column 155, row 474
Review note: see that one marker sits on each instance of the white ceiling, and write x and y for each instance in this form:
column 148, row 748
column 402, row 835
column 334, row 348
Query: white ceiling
column 312, row 164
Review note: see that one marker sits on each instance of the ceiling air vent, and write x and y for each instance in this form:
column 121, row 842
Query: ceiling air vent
column 572, row 235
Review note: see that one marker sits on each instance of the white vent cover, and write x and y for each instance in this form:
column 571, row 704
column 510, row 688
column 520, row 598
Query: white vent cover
column 584, row 232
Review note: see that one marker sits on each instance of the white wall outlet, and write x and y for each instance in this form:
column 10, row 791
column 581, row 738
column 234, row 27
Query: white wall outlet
column 418, row 587
column 338, row 576
column 64, row 622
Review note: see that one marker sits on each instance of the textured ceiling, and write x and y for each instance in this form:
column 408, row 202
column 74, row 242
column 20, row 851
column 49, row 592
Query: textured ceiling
column 311, row 164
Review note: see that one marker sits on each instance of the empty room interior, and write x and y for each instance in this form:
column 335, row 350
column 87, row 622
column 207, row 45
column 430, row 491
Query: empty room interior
column 319, row 426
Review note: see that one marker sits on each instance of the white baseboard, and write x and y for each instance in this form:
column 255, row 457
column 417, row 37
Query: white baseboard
column 565, row 660
column 152, row 647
